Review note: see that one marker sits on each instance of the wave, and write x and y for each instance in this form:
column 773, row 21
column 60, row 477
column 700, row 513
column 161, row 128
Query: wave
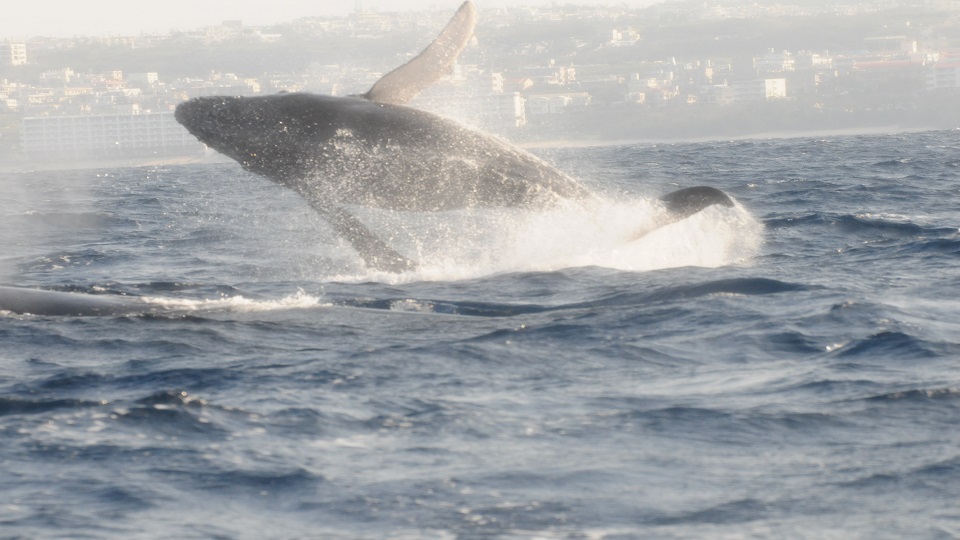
column 888, row 344
column 894, row 162
column 679, row 293
column 22, row 406
column 236, row 304
column 918, row 395
column 950, row 246
column 98, row 301
column 887, row 224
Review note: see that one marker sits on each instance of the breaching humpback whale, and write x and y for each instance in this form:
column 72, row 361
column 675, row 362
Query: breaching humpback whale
column 373, row 150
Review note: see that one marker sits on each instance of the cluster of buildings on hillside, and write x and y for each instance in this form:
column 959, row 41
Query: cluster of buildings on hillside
column 64, row 114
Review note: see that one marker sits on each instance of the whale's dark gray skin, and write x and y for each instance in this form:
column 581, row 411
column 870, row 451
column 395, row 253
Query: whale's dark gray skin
column 55, row 303
column 372, row 150
column 688, row 201
column 354, row 151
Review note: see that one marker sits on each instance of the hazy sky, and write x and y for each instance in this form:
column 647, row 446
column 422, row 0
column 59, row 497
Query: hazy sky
column 65, row 18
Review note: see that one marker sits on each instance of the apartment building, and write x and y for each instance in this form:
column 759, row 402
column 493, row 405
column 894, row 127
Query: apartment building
column 13, row 53
column 759, row 90
column 944, row 74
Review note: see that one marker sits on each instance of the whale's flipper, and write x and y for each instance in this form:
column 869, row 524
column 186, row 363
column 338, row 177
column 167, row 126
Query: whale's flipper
column 688, row 201
column 402, row 84
column 684, row 203
column 375, row 252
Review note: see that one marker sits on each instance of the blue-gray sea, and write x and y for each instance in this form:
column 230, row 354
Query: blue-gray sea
column 789, row 368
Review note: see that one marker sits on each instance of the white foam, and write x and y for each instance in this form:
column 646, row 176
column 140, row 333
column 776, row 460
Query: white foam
column 237, row 304
column 624, row 235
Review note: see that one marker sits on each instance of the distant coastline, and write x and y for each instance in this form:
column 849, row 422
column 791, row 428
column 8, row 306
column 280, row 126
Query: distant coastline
column 552, row 77
column 799, row 134
column 24, row 166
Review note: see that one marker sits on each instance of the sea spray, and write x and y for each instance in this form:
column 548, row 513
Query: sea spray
column 633, row 234
column 236, row 304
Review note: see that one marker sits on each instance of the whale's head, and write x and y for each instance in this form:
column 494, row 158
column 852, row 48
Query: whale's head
column 212, row 119
column 265, row 134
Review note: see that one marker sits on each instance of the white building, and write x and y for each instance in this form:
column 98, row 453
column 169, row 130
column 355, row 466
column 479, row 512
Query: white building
column 716, row 94
column 539, row 104
column 759, row 90
column 143, row 79
column 506, row 110
column 244, row 88
column 775, row 62
column 496, row 83
column 810, row 60
column 944, row 74
column 13, row 53
column 108, row 135
column 626, row 37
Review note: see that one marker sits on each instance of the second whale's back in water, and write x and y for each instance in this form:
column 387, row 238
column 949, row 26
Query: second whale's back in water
column 372, row 150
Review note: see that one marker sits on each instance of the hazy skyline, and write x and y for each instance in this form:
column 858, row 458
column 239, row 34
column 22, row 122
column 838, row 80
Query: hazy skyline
column 63, row 18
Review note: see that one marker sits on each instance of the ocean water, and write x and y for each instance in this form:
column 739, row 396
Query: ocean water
column 789, row 368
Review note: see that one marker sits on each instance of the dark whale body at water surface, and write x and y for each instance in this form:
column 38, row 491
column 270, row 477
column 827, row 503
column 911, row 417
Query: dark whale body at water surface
column 56, row 303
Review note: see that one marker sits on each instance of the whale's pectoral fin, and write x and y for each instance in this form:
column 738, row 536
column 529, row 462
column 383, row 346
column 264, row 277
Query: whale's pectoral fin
column 375, row 252
column 404, row 83
column 684, row 203
column 688, row 201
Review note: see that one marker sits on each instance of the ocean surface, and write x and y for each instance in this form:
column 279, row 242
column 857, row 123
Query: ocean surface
column 789, row 368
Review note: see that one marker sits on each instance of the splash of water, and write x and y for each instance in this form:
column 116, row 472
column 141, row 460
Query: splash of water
column 626, row 235
column 236, row 304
